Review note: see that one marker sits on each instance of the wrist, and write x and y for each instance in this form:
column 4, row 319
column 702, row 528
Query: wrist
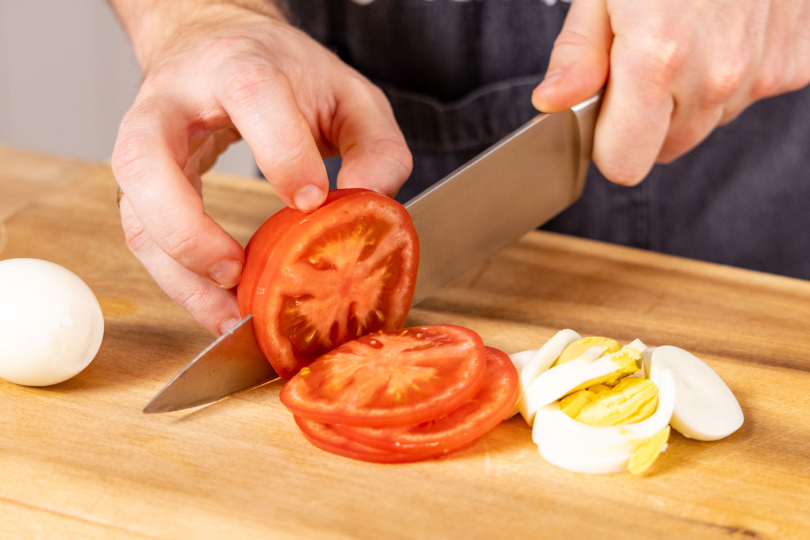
column 156, row 27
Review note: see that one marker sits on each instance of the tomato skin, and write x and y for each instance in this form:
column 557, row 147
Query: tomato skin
column 388, row 379
column 302, row 310
column 327, row 439
column 468, row 423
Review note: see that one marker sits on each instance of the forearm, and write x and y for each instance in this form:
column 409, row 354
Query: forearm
column 153, row 24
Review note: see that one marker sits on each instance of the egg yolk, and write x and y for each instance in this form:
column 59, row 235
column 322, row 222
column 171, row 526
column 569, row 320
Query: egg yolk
column 630, row 401
column 627, row 362
column 579, row 347
column 648, row 451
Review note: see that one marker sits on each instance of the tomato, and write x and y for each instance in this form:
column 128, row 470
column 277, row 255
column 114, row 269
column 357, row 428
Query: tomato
column 315, row 281
column 492, row 403
column 327, row 439
column 390, row 378
column 263, row 243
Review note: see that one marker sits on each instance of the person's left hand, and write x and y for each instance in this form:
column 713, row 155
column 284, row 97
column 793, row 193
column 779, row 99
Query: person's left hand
column 674, row 70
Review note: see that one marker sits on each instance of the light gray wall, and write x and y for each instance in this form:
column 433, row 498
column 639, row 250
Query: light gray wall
column 67, row 76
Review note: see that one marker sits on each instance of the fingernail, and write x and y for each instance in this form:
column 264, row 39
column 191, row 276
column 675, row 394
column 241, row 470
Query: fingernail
column 552, row 78
column 226, row 273
column 308, row 198
column 227, row 324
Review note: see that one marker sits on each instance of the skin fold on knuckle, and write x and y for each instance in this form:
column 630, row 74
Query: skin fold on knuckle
column 132, row 151
column 135, row 235
column 181, row 243
column 246, row 78
column 659, row 58
column 724, row 79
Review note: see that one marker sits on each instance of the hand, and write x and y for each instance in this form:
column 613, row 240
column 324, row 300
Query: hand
column 677, row 70
column 222, row 73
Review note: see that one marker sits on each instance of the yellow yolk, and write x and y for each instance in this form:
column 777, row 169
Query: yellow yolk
column 627, row 361
column 648, row 451
column 577, row 348
column 631, row 400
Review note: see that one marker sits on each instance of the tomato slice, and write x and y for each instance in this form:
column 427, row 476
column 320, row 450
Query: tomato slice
column 324, row 437
column 263, row 243
column 492, row 403
column 325, row 278
column 391, row 378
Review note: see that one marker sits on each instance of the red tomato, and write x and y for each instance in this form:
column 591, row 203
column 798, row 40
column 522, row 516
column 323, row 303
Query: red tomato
column 327, row 439
column 484, row 411
column 390, row 378
column 315, row 281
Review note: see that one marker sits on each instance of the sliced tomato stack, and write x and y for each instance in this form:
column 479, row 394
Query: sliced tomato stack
column 329, row 292
column 396, row 397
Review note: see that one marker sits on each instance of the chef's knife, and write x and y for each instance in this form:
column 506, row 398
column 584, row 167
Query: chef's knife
column 513, row 187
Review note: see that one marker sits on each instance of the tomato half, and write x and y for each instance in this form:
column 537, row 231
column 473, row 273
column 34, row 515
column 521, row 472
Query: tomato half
column 484, row 411
column 315, row 281
column 390, row 378
column 324, row 437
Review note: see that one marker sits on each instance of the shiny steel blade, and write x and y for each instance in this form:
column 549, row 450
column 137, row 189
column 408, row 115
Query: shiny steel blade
column 512, row 188
column 230, row 364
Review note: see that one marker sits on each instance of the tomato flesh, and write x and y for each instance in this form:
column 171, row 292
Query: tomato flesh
column 484, row 411
column 389, row 379
column 324, row 437
column 325, row 278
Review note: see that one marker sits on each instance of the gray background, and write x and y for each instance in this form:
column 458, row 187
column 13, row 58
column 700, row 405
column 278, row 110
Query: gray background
column 67, row 76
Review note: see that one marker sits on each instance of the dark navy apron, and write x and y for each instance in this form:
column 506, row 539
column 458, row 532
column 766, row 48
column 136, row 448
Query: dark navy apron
column 459, row 75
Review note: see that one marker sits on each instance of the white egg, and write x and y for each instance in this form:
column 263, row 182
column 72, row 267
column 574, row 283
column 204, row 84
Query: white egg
column 522, row 358
column 540, row 361
column 578, row 447
column 51, row 324
column 705, row 409
column 558, row 381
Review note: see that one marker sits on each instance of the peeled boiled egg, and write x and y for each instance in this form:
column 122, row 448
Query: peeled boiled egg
column 51, row 325
column 705, row 408
column 580, row 447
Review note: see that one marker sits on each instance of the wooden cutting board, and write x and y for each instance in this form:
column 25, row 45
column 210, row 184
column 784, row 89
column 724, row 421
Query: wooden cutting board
column 79, row 459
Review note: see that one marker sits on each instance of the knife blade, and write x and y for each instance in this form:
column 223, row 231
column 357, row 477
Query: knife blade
column 231, row 363
column 515, row 186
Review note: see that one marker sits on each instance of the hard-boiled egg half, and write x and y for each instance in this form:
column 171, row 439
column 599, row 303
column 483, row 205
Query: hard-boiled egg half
column 598, row 407
column 51, row 324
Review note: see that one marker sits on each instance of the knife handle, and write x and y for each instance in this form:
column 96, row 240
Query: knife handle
column 586, row 113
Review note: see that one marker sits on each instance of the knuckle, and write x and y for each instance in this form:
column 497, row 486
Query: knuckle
column 572, row 38
column 395, row 151
column 724, row 81
column 135, row 235
column 768, row 83
column 191, row 296
column 180, row 243
column 245, row 80
column 131, row 152
column 662, row 57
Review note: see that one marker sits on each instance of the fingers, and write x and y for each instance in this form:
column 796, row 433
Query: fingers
column 375, row 155
column 261, row 103
column 635, row 115
column 148, row 161
column 216, row 309
column 578, row 67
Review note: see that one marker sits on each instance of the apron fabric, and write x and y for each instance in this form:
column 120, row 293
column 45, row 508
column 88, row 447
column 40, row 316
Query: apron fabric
column 459, row 75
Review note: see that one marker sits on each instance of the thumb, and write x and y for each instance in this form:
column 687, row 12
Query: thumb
column 579, row 62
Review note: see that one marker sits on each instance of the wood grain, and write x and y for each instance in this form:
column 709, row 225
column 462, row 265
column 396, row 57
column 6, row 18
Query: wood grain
column 79, row 459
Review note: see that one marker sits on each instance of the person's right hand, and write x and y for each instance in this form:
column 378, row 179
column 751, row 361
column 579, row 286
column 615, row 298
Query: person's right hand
column 226, row 71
